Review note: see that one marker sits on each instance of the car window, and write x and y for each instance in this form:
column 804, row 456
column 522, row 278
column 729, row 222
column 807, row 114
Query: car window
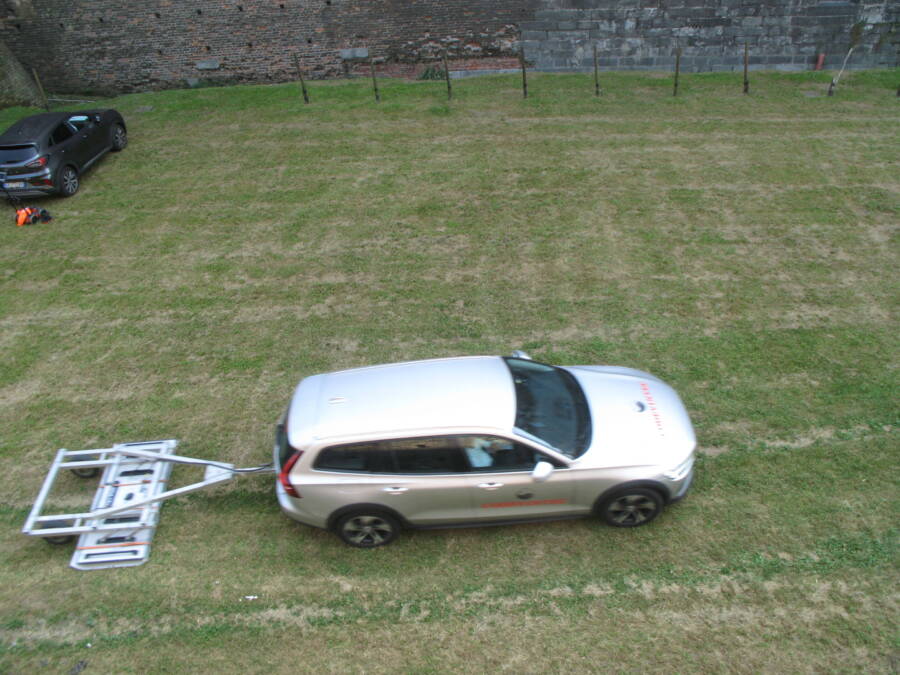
column 79, row 121
column 355, row 458
column 62, row 132
column 495, row 454
column 429, row 455
column 426, row 455
column 12, row 154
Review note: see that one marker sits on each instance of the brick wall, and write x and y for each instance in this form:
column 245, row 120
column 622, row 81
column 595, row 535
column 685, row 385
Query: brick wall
column 112, row 46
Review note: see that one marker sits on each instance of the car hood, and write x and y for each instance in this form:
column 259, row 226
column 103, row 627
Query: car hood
column 637, row 419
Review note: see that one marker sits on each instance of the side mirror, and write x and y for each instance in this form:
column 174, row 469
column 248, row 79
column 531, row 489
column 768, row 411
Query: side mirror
column 519, row 354
column 541, row 471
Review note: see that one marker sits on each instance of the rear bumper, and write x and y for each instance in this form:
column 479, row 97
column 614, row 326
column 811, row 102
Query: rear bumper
column 292, row 507
column 38, row 183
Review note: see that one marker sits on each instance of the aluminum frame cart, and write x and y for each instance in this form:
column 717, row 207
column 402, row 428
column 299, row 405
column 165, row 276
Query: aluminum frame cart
column 118, row 529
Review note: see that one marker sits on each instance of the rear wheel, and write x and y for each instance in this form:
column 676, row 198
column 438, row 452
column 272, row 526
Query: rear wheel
column 119, row 138
column 367, row 529
column 631, row 507
column 67, row 181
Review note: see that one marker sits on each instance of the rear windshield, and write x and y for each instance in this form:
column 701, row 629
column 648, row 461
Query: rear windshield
column 13, row 154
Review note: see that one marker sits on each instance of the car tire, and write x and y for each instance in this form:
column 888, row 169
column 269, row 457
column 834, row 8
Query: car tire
column 118, row 138
column 67, row 181
column 367, row 528
column 631, row 507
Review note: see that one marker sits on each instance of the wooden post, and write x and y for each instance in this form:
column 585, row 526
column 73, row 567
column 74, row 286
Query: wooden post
column 835, row 80
column 374, row 81
column 746, row 62
column 524, row 78
column 596, row 73
column 300, row 75
column 37, row 81
column 677, row 70
column 447, row 77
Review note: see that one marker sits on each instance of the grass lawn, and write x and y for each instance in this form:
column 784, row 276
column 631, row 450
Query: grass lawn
column 740, row 247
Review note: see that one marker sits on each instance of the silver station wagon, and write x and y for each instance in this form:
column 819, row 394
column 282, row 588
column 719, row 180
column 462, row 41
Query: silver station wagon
column 479, row 440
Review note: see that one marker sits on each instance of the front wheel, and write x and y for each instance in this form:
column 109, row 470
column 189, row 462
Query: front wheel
column 631, row 507
column 367, row 529
column 119, row 138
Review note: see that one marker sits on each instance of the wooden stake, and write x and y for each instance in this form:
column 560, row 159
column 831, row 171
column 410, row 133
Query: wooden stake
column 746, row 62
column 596, row 73
column 41, row 90
column 374, row 81
column 447, row 77
column 524, row 77
column 677, row 70
column 300, row 75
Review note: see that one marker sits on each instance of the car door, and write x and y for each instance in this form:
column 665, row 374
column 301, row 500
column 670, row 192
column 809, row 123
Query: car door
column 502, row 485
column 91, row 141
column 424, row 479
column 66, row 145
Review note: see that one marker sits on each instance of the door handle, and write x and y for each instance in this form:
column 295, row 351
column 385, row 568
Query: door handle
column 490, row 486
column 395, row 490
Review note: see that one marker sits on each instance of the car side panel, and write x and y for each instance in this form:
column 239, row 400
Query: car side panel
column 516, row 495
column 422, row 499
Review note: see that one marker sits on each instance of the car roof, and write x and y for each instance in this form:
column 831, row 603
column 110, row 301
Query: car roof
column 433, row 396
column 37, row 128
column 32, row 129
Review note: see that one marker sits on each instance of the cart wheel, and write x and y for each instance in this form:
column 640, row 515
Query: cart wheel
column 88, row 471
column 58, row 539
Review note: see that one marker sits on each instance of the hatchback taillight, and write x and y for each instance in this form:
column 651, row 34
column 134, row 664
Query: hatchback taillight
column 283, row 476
column 39, row 163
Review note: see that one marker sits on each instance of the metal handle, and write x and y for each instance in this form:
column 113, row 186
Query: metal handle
column 490, row 486
column 395, row 490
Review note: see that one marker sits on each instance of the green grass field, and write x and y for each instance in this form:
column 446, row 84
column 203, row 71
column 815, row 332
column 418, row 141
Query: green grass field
column 744, row 248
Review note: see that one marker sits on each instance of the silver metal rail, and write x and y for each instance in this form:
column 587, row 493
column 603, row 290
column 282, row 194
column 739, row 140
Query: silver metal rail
column 118, row 528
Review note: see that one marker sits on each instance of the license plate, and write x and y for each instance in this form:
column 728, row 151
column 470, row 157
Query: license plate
column 14, row 186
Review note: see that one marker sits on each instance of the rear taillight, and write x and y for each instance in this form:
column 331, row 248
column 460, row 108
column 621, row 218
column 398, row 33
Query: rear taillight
column 283, row 476
column 39, row 163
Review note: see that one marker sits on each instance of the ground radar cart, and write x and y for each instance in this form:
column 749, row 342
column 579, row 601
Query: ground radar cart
column 118, row 528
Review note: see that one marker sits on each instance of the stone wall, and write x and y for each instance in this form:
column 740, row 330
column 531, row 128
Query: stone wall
column 779, row 34
column 16, row 85
column 113, row 46
column 110, row 46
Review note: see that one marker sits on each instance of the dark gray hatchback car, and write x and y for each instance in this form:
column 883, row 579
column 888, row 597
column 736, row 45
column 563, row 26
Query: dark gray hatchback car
column 48, row 153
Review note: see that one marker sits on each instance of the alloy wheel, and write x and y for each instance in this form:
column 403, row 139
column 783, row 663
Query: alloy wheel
column 69, row 181
column 631, row 510
column 367, row 531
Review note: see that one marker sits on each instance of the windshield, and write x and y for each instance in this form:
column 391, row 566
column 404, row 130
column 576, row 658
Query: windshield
column 551, row 406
